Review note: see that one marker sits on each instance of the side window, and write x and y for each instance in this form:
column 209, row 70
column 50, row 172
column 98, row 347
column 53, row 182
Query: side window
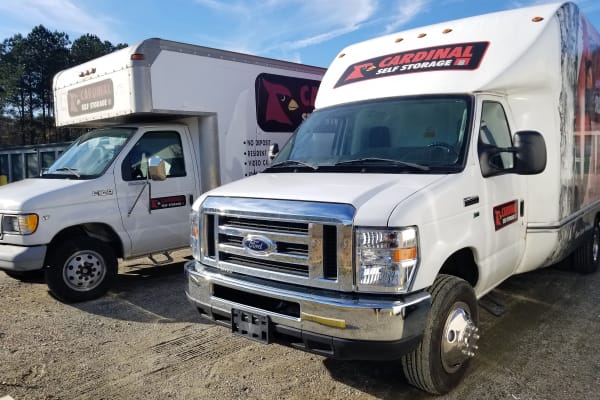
column 166, row 145
column 494, row 131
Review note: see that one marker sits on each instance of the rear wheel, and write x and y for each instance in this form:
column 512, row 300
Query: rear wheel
column 81, row 269
column 587, row 256
column 450, row 338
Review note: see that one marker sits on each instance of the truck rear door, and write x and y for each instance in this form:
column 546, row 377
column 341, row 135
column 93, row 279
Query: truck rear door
column 155, row 213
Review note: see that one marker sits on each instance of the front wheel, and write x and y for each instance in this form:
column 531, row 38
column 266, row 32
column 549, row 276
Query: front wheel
column 81, row 269
column 450, row 338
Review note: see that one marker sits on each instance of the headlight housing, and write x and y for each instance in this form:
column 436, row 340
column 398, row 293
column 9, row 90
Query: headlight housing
column 22, row 224
column 195, row 230
column 386, row 259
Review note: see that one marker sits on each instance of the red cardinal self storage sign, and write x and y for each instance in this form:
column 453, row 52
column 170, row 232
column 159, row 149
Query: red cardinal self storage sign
column 462, row 56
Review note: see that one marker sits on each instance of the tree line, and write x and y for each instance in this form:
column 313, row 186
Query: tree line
column 27, row 67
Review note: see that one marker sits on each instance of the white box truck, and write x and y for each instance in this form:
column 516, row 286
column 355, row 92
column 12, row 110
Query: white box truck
column 439, row 162
column 175, row 120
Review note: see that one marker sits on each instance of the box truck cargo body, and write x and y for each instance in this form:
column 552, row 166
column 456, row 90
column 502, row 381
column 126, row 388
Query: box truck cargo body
column 439, row 162
column 174, row 120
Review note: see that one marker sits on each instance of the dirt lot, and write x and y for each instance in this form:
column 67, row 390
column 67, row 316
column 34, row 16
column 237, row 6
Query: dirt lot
column 144, row 341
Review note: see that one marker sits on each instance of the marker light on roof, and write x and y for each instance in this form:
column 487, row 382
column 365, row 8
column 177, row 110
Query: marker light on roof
column 399, row 40
column 537, row 19
column 137, row 56
column 422, row 35
column 447, row 30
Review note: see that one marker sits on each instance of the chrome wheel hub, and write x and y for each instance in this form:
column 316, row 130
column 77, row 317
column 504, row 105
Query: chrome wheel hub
column 84, row 270
column 459, row 338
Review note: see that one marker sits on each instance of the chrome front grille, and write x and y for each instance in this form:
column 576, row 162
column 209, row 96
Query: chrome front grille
column 280, row 240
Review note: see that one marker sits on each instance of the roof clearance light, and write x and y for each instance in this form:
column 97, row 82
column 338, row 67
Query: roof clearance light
column 422, row 35
column 447, row 30
column 341, row 55
column 399, row 40
column 537, row 19
column 87, row 72
column 138, row 56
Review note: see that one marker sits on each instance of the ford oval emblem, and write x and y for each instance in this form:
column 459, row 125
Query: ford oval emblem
column 259, row 244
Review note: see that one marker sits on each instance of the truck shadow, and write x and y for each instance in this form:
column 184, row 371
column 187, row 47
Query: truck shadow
column 383, row 380
column 530, row 307
column 143, row 292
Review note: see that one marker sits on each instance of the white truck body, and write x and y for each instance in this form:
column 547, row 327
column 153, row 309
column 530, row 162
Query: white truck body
column 439, row 162
column 200, row 116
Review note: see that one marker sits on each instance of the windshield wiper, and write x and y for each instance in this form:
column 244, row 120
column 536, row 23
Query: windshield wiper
column 395, row 163
column 288, row 163
column 70, row 170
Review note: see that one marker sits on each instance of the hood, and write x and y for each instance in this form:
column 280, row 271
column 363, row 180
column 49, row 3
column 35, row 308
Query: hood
column 30, row 195
column 374, row 196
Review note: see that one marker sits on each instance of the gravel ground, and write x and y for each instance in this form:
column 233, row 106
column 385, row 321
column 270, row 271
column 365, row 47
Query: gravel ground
column 145, row 341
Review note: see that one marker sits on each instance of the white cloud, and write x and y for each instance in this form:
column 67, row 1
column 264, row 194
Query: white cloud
column 62, row 15
column 406, row 11
column 286, row 26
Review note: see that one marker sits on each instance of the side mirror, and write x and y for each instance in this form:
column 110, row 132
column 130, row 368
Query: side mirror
column 156, row 169
column 530, row 157
column 273, row 151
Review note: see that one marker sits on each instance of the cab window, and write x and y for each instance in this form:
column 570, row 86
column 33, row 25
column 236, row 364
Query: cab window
column 494, row 131
column 163, row 144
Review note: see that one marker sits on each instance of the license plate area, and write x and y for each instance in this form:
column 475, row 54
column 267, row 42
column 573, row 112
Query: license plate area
column 251, row 325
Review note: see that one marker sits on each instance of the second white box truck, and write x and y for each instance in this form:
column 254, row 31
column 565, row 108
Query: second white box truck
column 178, row 120
column 439, row 162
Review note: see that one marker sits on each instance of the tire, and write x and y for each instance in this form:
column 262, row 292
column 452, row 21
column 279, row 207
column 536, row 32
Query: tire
column 81, row 269
column 450, row 338
column 27, row 276
column 587, row 256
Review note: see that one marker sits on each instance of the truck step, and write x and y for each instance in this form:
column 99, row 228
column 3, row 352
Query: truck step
column 493, row 305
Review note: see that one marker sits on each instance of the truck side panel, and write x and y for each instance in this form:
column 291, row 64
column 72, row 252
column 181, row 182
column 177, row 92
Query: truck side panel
column 552, row 236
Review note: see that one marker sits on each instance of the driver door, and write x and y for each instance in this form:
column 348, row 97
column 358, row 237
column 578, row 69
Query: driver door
column 503, row 194
column 155, row 213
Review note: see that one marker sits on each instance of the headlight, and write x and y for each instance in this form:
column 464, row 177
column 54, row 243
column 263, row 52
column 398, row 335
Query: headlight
column 24, row 224
column 386, row 259
column 195, row 234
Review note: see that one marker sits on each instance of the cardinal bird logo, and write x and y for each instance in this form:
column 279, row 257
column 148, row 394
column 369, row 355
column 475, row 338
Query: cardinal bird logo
column 283, row 102
column 280, row 103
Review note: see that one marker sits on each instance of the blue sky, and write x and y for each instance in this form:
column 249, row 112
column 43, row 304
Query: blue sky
column 307, row 31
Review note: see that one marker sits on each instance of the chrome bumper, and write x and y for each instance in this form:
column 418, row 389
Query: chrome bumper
column 20, row 258
column 356, row 325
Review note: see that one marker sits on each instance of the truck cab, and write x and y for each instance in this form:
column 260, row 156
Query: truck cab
column 117, row 192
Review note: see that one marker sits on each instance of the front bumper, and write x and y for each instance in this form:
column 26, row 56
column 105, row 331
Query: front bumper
column 22, row 258
column 340, row 325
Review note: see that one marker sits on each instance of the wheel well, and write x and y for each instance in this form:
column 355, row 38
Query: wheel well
column 462, row 264
column 98, row 231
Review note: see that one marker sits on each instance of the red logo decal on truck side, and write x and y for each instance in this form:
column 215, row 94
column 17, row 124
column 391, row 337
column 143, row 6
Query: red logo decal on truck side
column 461, row 56
column 158, row 203
column 505, row 214
column 283, row 102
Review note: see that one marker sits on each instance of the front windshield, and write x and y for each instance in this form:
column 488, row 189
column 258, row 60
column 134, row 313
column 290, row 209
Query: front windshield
column 417, row 134
column 90, row 155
